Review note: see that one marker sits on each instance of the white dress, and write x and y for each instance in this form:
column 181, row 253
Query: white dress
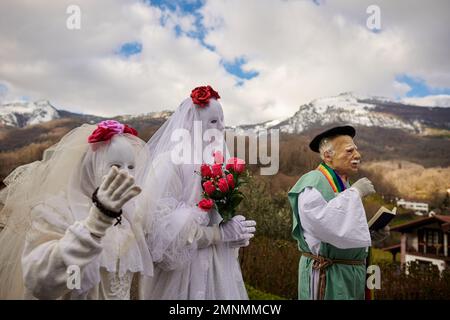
column 58, row 239
column 340, row 222
column 185, row 268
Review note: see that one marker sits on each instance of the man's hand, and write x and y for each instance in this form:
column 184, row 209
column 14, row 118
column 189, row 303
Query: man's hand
column 116, row 189
column 364, row 186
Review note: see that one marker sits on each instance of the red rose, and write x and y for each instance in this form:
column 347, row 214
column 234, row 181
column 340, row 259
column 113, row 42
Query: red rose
column 217, row 170
column 209, row 187
column 130, row 130
column 100, row 134
column 235, row 164
column 205, row 171
column 218, row 157
column 230, row 180
column 201, row 95
column 206, row 204
column 223, row 185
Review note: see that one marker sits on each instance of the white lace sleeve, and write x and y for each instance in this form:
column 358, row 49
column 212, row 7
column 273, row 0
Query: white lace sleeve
column 170, row 219
column 52, row 245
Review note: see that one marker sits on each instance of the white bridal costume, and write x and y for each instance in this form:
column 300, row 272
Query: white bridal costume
column 195, row 255
column 13, row 176
column 55, row 230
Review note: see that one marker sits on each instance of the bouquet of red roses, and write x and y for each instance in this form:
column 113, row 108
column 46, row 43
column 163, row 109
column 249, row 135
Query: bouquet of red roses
column 221, row 185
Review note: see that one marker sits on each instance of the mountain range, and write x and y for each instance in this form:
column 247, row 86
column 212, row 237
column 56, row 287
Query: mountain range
column 368, row 111
column 387, row 132
column 21, row 114
column 359, row 111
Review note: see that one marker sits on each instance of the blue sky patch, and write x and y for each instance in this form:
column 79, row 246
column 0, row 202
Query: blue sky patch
column 235, row 68
column 419, row 87
column 185, row 7
column 192, row 8
column 130, row 48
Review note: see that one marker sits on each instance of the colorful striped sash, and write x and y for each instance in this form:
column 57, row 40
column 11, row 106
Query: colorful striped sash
column 333, row 178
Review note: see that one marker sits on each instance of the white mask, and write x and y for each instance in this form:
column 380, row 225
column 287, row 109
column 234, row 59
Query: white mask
column 211, row 116
column 96, row 164
column 120, row 154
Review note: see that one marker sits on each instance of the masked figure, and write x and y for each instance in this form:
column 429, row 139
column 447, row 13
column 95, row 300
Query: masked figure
column 73, row 232
column 195, row 254
column 330, row 224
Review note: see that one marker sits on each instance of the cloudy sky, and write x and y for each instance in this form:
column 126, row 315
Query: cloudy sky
column 265, row 57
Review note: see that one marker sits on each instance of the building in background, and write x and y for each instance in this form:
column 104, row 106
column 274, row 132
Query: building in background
column 425, row 241
column 419, row 208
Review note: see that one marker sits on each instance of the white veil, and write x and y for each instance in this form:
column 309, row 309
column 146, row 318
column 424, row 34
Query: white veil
column 170, row 194
column 166, row 180
column 70, row 169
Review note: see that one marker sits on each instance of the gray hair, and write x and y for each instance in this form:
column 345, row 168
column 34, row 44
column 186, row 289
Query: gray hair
column 326, row 145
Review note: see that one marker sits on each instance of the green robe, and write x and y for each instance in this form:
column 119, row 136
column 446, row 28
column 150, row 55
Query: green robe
column 344, row 282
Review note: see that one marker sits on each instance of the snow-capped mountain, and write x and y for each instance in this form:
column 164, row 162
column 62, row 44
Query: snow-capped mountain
column 348, row 108
column 146, row 116
column 21, row 113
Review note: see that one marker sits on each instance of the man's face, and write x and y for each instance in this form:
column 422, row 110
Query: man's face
column 346, row 156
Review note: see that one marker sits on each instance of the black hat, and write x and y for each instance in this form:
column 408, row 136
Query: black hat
column 336, row 131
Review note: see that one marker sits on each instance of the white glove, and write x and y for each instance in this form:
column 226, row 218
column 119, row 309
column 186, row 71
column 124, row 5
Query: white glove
column 380, row 235
column 238, row 231
column 364, row 186
column 116, row 189
column 97, row 223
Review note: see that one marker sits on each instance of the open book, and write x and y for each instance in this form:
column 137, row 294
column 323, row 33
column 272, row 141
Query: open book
column 381, row 218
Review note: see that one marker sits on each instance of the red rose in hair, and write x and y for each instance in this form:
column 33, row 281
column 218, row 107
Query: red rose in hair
column 230, row 180
column 217, row 170
column 206, row 204
column 130, row 130
column 107, row 129
column 201, row 95
column 209, row 188
column 205, row 171
column 223, row 185
column 235, row 164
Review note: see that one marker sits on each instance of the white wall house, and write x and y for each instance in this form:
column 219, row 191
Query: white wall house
column 425, row 241
column 419, row 207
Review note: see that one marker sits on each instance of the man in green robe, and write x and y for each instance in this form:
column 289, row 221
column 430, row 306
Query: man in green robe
column 329, row 220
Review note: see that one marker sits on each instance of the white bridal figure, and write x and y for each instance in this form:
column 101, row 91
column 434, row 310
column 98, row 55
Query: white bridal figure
column 58, row 244
column 195, row 255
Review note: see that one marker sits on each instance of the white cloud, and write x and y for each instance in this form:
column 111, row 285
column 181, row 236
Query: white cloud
column 302, row 51
column 440, row 100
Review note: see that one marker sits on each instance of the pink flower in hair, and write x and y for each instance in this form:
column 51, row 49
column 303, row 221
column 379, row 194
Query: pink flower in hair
column 107, row 129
